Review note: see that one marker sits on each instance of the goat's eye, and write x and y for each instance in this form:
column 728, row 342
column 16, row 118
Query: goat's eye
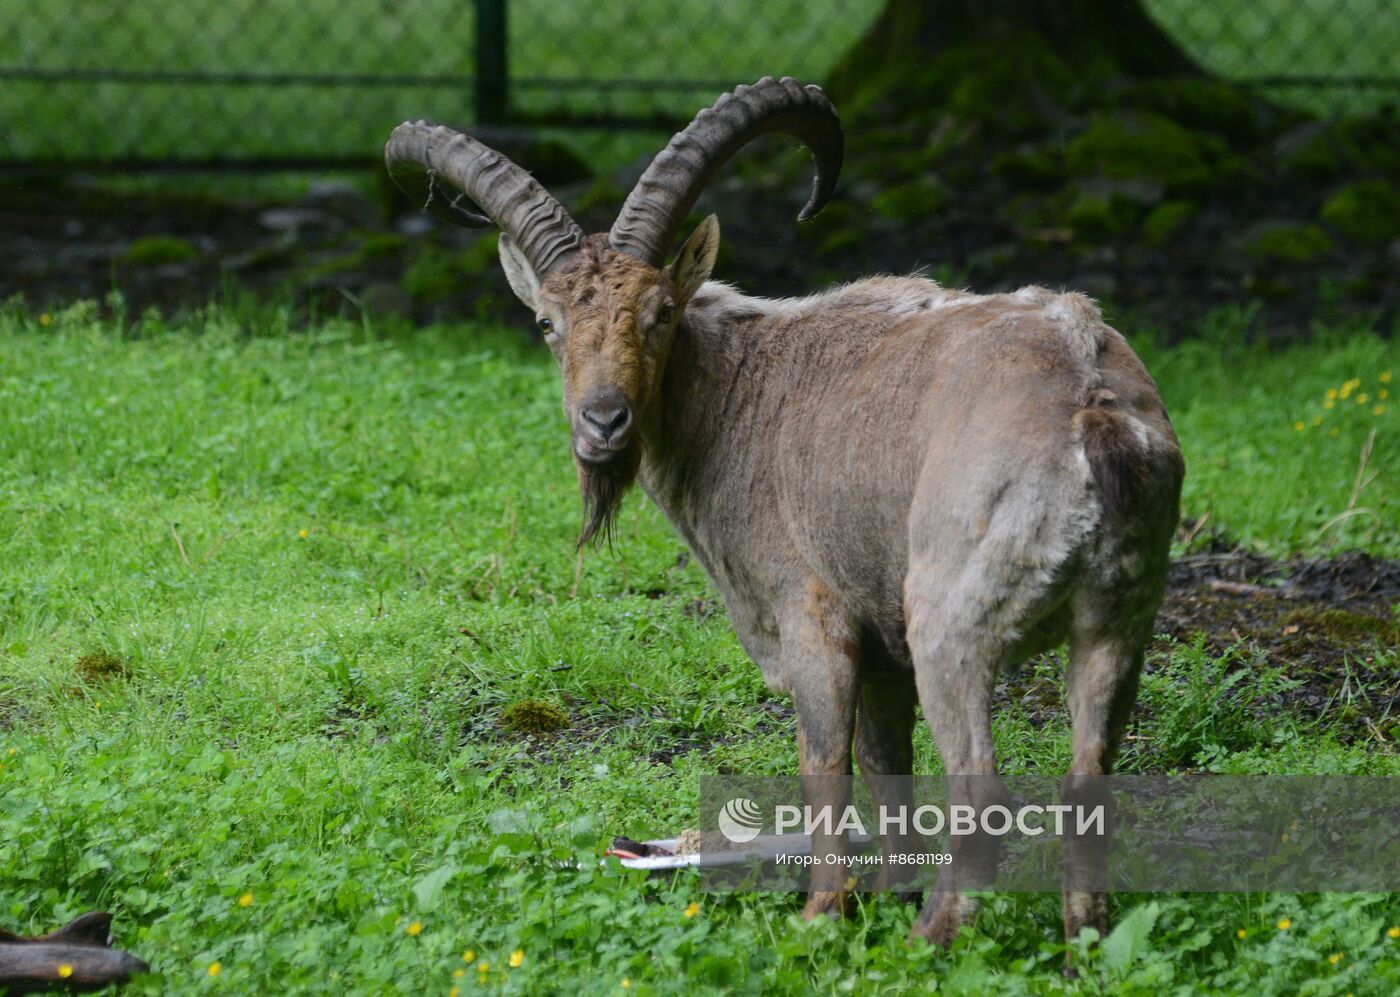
column 546, row 326
column 668, row 312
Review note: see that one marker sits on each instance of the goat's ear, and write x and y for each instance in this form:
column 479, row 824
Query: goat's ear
column 697, row 258
column 523, row 279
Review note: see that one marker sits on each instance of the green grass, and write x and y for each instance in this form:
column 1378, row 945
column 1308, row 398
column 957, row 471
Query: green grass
column 330, row 563
column 690, row 41
column 1268, row 460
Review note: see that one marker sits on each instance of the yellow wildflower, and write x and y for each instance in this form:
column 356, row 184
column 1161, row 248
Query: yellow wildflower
column 1382, row 394
column 1334, row 431
column 246, row 900
column 1362, row 398
column 303, row 533
column 1378, row 410
column 1241, row 933
column 627, row 983
column 12, row 752
column 215, row 968
column 1298, row 426
column 457, row 974
column 1385, row 377
column 1329, row 404
column 1285, row 924
column 454, row 992
column 516, row 958
column 1335, row 958
column 469, row 955
column 415, row 929
column 1393, row 932
column 692, row 909
column 64, row 970
column 483, row 968
column 45, row 318
column 1331, row 393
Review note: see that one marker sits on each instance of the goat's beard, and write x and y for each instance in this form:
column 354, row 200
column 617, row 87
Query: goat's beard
column 602, row 487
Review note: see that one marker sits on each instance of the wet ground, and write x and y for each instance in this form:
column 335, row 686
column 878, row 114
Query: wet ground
column 1332, row 625
column 1315, row 638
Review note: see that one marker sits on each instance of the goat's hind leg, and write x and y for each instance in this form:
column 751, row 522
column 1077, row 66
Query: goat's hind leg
column 1101, row 688
column 955, row 664
column 885, row 751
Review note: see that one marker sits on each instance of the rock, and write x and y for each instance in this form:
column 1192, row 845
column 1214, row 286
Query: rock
column 415, row 224
column 383, row 297
column 294, row 219
column 333, row 190
column 271, row 256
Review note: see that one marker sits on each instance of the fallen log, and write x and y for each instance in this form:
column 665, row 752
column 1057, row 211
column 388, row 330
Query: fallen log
column 76, row 958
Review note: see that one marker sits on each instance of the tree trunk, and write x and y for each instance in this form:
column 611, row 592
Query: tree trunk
column 909, row 37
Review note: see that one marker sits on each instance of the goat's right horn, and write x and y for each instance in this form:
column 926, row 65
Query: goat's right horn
column 424, row 159
column 657, row 206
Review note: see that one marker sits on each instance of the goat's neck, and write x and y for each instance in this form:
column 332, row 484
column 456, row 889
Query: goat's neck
column 691, row 436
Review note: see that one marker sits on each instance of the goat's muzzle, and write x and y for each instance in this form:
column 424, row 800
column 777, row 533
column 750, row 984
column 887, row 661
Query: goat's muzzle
column 604, row 426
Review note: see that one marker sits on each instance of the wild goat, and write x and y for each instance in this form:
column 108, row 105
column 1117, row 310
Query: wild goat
column 895, row 487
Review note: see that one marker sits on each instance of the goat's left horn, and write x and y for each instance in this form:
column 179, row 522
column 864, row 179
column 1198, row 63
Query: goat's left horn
column 437, row 167
column 657, row 206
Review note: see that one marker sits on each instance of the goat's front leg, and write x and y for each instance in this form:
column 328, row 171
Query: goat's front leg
column 821, row 671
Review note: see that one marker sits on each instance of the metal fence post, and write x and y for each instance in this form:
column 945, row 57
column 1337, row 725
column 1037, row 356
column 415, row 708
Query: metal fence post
column 492, row 91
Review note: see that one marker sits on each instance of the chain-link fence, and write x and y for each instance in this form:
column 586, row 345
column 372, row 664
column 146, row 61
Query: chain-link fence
column 308, row 82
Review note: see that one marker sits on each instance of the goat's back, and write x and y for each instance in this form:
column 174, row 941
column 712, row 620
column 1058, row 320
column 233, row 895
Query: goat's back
column 907, row 415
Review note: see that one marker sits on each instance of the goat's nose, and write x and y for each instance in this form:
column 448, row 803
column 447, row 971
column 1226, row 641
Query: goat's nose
column 610, row 415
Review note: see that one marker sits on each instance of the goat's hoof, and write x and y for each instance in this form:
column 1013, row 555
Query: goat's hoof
column 832, row 904
column 943, row 915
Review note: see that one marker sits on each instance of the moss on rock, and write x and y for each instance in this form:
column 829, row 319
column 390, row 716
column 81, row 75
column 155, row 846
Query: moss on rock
column 911, row 200
column 534, row 716
column 435, row 274
column 1140, row 144
column 1166, row 220
column 1092, row 216
column 156, row 250
column 1287, row 242
column 1034, row 169
column 1368, row 211
column 1344, row 625
column 1207, row 104
column 102, row 666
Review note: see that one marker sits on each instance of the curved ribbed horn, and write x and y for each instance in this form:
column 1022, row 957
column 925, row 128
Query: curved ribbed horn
column 429, row 161
column 657, row 206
